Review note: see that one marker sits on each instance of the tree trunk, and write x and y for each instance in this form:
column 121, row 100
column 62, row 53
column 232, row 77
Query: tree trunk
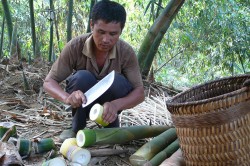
column 33, row 29
column 91, row 6
column 8, row 18
column 155, row 34
column 69, row 21
column 51, row 29
column 2, row 36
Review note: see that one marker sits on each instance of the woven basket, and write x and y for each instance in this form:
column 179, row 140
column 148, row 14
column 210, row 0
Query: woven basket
column 212, row 121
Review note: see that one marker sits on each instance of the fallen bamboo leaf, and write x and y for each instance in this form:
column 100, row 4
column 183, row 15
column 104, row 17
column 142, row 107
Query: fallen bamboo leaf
column 11, row 156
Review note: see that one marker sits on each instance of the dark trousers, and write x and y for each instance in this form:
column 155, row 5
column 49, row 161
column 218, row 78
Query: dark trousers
column 84, row 80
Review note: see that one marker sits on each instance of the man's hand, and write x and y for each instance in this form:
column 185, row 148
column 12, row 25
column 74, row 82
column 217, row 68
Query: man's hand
column 76, row 99
column 110, row 112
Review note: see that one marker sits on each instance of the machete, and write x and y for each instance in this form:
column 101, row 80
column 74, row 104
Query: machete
column 97, row 90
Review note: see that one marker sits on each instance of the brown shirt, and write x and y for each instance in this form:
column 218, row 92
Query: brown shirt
column 78, row 55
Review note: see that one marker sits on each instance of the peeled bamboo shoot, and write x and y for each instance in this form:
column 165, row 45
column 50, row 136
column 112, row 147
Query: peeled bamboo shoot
column 75, row 154
column 88, row 137
column 95, row 114
column 58, row 161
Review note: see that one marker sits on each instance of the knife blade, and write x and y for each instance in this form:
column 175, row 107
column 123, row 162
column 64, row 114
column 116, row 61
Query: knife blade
column 99, row 88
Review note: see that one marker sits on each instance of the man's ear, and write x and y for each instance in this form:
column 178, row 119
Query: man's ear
column 91, row 24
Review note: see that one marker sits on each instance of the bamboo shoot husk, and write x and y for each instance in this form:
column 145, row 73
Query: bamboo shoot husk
column 88, row 137
column 165, row 153
column 150, row 149
column 174, row 159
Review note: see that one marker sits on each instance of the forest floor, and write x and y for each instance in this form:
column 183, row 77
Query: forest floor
column 38, row 116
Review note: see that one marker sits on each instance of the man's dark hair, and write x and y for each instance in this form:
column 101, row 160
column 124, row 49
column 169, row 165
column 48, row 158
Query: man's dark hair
column 109, row 11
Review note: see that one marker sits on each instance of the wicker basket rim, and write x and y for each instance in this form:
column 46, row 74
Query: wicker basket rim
column 209, row 100
column 172, row 102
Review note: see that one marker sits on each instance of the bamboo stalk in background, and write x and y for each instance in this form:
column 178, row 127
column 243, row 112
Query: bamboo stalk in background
column 33, row 27
column 88, row 137
column 2, row 36
column 153, row 147
column 8, row 18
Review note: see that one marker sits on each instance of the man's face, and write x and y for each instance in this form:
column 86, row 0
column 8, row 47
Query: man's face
column 105, row 35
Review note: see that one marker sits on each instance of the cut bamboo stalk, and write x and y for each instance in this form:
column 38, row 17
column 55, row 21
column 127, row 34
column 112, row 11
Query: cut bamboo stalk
column 150, row 149
column 24, row 147
column 5, row 126
column 43, row 145
column 165, row 153
column 88, row 137
column 8, row 134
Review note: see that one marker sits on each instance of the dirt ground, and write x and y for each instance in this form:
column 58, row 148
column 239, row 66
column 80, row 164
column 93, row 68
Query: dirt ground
column 37, row 115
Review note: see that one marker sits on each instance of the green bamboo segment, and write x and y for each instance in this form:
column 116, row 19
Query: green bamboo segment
column 58, row 161
column 120, row 135
column 24, row 146
column 165, row 153
column 153, row 147
column 5, row 126
column 44, row 145
column 86, row 137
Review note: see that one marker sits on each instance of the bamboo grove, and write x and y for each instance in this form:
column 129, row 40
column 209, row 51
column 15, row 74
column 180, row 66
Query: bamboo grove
column 181, row 43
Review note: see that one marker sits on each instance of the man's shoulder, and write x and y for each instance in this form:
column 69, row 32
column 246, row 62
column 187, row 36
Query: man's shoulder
column 79, row 39
column 123, row 45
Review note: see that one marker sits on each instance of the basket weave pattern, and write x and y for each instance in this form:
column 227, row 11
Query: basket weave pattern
column 212, row 121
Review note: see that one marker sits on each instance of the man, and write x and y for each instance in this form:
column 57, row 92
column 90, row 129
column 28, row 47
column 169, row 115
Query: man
column 92, row 56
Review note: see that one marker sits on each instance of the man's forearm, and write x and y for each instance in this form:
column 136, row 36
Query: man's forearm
column 55, row 91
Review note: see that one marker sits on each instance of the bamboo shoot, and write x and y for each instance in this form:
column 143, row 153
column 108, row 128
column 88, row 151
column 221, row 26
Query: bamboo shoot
column 150, row 149
column 88, row 137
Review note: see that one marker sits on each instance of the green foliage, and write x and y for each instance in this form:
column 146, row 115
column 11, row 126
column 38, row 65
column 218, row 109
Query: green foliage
column 206, row 40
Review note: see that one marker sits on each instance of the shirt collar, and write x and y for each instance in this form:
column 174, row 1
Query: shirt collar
column 88, row 51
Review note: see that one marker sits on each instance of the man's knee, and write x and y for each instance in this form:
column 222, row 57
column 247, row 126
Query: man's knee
column 121, row 86
column 80, row 80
